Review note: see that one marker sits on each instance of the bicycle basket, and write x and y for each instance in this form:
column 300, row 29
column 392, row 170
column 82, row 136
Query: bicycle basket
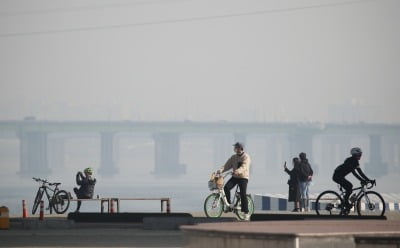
column 216, row 183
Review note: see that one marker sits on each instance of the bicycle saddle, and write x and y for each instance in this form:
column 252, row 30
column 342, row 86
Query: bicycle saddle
column 54, row 184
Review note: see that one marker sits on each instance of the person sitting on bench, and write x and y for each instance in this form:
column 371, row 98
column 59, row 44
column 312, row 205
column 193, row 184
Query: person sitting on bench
column 86, row 183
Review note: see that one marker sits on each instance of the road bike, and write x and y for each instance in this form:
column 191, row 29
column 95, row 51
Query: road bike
column 365, row 201
column 59, row 200
column 216, row 202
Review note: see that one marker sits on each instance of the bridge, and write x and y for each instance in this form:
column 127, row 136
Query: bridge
column 37, row 137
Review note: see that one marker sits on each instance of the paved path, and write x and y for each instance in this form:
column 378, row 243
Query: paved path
column 89, row 236
column 314, row 227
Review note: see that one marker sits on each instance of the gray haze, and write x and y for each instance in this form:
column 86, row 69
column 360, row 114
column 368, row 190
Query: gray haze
column 200, row 60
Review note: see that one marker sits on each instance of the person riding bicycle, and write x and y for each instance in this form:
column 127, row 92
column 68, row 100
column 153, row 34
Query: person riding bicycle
column 352, row 165
column 86, row 183
column 240, row 164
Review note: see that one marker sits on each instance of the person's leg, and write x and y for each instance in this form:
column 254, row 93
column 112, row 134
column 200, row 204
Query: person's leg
column 78, row 205
column 78, row 196
column 349, row 188
column 76, row 191
column 302, row 194
column 243, row 195
column 227, row 189
column 307, row 197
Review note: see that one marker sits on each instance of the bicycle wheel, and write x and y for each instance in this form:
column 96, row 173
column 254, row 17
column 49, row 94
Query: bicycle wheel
column 213, row 206
column 328, row 203
column 371, row 203
column 250, row 205
column 37, row 200
column 60, row 202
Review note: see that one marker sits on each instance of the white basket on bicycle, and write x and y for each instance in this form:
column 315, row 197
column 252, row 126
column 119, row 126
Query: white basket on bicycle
column 216, row 182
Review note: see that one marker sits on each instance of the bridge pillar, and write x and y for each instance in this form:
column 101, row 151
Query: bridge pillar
column 303, row 142
column 376, row 167
column 396, row 158
column 107, row 162
column 335, row 149
column 167, row 152
column 391, row 153
column 275, row 155
column 33, row 154
column 56, row 152
column 222, row 149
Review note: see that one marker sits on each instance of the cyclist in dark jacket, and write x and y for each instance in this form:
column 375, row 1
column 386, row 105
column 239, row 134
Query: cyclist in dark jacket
column 352, row 165
column 86, row 183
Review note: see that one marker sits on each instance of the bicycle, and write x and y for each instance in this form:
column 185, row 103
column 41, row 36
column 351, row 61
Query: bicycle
column 216, row 202
column 331, row 203
column 59, row 200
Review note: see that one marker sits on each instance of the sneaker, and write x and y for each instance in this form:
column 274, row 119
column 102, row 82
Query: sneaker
column 246, row 217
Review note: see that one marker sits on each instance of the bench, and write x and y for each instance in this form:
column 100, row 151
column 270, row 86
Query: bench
column 111, row 200
column 101, row 200
column 167, row 202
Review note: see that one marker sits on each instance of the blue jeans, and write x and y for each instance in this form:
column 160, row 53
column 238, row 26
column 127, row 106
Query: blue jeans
column 304, row 193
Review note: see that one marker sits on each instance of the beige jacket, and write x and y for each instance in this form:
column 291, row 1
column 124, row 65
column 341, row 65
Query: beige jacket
column 234, row 164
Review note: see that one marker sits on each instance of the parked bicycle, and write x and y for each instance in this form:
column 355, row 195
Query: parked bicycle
column 216, row 203
column 366, row 202
column 58, row 199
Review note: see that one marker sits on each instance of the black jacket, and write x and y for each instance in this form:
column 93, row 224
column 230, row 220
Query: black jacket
column 305, row 170
column 86, row 183
column 294, row 176
column 350, row 165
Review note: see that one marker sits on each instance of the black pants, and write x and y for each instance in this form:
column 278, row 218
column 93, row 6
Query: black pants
column 79, row 195
column 243, row 189
column 346, row 185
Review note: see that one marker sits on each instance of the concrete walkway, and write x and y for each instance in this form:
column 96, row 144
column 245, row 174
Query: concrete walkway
column 296, row 234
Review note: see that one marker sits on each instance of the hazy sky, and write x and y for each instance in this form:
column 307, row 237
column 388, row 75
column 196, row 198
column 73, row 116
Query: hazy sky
column 252, row 60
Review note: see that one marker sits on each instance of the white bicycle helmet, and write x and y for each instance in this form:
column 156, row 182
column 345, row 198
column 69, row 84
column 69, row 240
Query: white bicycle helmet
column 356, row 151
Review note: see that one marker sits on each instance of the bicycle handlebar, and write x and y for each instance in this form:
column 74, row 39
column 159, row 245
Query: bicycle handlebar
column 39, row 180
column 369, row 184
column 223, row 174
column 45, row 181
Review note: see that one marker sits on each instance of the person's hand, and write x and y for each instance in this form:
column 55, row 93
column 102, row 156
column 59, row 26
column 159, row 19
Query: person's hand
column 309, row 178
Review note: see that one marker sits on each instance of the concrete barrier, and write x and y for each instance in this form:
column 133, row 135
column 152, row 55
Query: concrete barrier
column 280, row 203
column 121, row 217
column 266, row 202
column 149, row 221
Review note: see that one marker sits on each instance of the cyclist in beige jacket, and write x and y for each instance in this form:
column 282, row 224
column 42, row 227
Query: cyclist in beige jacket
column 240, row 164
